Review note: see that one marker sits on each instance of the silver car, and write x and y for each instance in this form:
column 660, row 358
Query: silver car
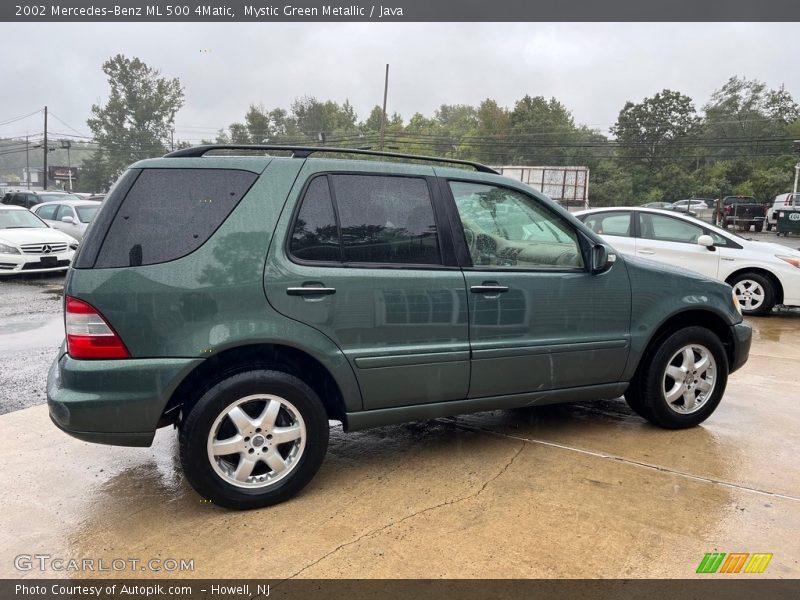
column 70, row 216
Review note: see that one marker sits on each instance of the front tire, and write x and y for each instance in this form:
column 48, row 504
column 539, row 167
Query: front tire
column 254, row 439
column 681, row 380
column 755, row 292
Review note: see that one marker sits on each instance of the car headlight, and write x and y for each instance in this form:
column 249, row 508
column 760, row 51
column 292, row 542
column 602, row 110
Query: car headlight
column 6, row 249
column 73, row 246
column 736, row 304
column 792, row 260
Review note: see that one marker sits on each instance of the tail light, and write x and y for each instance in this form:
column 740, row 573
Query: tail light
column 88, row 333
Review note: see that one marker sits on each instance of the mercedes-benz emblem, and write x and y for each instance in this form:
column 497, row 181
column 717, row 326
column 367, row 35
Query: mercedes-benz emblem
column 46, row 249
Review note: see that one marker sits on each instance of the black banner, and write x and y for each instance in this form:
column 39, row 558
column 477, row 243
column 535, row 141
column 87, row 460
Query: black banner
column 396, row 589
column 399, row 11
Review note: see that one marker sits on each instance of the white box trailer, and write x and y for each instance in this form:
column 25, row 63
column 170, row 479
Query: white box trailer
column 569, row 186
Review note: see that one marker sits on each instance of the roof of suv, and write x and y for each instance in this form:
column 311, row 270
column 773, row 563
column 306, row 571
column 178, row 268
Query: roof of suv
column 303, row 152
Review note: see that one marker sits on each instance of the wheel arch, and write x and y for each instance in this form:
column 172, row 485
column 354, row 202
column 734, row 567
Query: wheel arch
column 764, row 273
column 272, row 356
column 693, row 317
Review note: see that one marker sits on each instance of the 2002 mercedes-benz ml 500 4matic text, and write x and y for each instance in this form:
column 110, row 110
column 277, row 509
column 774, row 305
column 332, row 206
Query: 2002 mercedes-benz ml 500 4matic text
column 251, row 298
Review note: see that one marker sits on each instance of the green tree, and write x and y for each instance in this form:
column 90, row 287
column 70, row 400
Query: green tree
column 744, row 114
column 656, row 130
column 136, row 121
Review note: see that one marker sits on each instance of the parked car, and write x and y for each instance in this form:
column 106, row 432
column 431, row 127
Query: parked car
column 28, row 245
column 28, row 199
column 693, row 204
column 70, row 216
column 762, row 274
column 250, row 299
column 781, row 201
column 743, row 212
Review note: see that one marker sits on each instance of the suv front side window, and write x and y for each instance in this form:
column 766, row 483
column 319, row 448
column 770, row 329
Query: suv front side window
column 507, row 229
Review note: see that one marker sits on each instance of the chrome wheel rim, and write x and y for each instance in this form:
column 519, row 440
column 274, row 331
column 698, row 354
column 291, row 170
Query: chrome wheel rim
column 750, row 294
column 689, row 379
column 256, row 441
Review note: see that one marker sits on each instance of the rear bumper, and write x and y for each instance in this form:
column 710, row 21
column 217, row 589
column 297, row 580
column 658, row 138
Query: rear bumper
column 742, row 337
column 117, row 402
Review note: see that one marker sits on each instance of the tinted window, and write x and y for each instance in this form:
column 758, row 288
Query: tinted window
column 667, row 229
column 609, row 223
column 314, row 236
column 169, row 213
column 386, row 219
column 504, row 228
column 47, row 212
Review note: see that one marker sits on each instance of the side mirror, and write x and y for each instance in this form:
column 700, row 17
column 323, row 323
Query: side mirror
column 602, row 258
column 68, row 219
column 707, row 241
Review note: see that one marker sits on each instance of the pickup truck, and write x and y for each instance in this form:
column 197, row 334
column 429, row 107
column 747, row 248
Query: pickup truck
column 742, row 212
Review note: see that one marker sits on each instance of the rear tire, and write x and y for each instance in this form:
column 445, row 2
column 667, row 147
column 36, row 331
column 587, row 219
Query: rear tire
column 759, row 227
column 681, row 380
column 254, row 439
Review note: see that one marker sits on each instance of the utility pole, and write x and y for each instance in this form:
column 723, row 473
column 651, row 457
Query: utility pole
column 383, row 115
column 796, row 144
column 27, row 163
column 68, row 144
column 46, row 150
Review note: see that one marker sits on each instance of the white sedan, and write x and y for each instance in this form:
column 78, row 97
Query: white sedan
column 28, row 245
column 762, row 274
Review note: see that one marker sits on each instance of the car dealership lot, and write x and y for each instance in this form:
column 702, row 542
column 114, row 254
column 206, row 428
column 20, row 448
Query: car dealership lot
column 587, row 490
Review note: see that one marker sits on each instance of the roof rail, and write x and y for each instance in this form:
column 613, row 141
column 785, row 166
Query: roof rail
column 306, row 151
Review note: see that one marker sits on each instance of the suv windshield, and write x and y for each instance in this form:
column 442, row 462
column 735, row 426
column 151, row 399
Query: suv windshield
column 19, row 219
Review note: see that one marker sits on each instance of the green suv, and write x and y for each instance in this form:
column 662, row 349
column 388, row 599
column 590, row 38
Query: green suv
column 249, row 299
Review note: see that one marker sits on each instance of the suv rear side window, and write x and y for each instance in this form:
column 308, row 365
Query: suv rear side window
column 169, row 213
column 382, row 219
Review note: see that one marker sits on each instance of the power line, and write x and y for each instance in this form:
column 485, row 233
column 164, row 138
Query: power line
column 15, row 119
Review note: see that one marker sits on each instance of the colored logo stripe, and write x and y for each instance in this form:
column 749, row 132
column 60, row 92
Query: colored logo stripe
column 734, row 562
column 713, row 562
column 757, row 563
column 710, row 562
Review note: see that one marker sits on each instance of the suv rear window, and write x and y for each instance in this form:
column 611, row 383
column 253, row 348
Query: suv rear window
column 169, row 213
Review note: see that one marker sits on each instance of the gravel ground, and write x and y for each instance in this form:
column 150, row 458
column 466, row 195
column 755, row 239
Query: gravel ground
column 30, row 334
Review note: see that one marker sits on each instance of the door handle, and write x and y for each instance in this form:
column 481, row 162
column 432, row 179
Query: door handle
column 310, row 291
column 646, row 252
column 489, row 288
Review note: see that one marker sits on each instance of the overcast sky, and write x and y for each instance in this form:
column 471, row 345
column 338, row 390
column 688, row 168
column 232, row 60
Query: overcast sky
column 592, row 68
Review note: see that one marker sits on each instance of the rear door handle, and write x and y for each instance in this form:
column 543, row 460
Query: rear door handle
column 310, row 291
column 488, row 288
column 646, row 252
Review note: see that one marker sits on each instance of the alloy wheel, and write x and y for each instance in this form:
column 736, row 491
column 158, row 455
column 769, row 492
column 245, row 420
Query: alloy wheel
column 256, row 441
column 689, row 379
